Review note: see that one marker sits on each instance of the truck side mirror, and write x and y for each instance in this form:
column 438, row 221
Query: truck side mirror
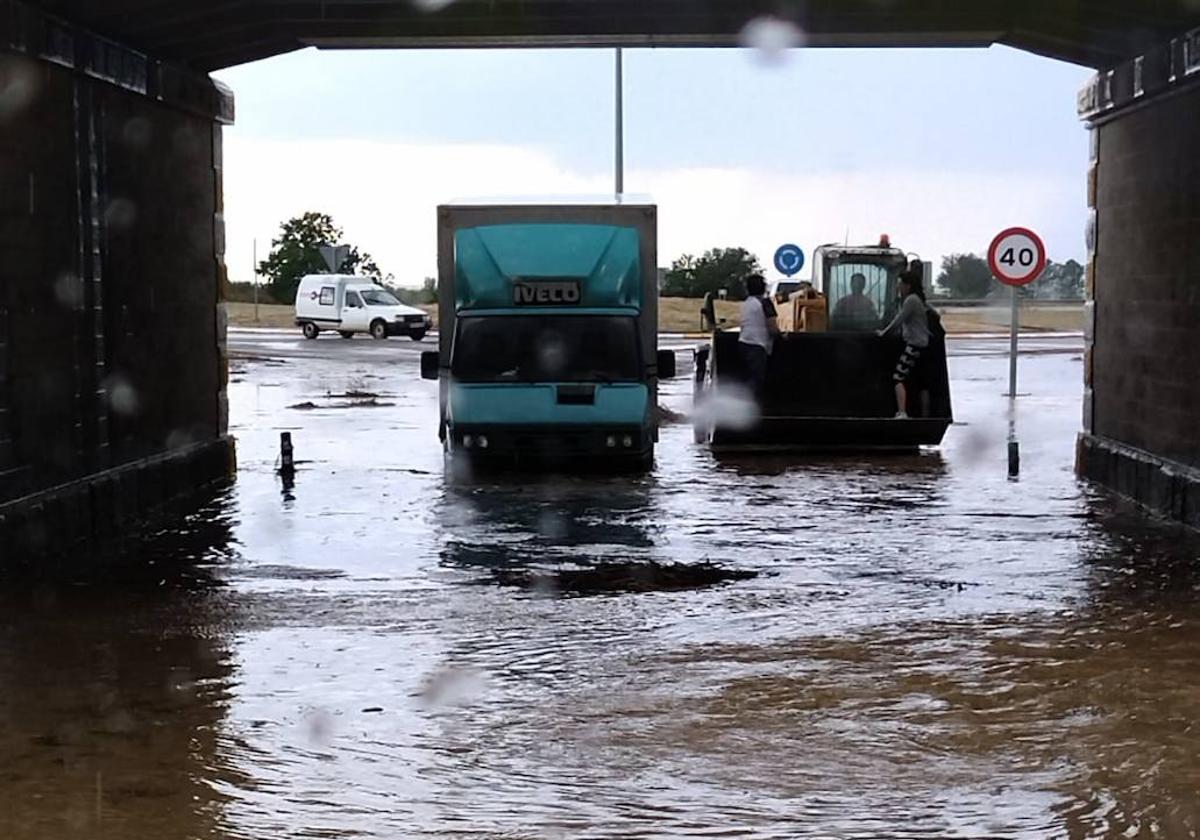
column 430, row 362
column 666, row 364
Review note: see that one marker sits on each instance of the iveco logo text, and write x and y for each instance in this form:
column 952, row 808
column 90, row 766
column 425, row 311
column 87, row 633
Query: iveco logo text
column 545, row 293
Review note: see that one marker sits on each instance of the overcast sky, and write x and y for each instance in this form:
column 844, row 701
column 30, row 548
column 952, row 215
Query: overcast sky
column 938, row 148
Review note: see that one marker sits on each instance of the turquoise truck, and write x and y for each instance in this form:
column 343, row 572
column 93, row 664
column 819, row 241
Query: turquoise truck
column 548, row 333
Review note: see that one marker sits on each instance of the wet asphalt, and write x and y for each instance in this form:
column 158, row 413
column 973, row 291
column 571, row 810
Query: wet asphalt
column 927, row 648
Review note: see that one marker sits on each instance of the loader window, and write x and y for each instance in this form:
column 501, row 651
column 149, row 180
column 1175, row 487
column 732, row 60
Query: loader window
column 858, row 295
column 584, row 348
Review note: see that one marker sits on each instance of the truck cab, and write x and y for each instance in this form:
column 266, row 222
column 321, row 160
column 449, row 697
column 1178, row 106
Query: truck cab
column 548, row 350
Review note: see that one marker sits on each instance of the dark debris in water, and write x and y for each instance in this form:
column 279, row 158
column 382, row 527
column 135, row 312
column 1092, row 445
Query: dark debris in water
column 666, row 415
column 621, row 577
column 370, row 402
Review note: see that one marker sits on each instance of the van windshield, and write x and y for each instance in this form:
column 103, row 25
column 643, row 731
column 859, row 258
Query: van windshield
column 379, row 297
column 541, row 348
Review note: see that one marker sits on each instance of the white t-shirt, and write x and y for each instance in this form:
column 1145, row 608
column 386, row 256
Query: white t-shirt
column 755, row 312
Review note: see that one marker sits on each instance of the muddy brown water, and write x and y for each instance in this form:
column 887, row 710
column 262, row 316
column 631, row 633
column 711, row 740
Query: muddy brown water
column 927, row 650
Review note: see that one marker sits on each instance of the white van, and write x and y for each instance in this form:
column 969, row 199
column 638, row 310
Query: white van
column 350, row 305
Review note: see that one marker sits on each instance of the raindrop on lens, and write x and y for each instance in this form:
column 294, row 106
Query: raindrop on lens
column 771, row 38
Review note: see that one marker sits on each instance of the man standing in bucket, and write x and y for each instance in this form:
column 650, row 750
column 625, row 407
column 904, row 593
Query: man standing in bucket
column 759, row 328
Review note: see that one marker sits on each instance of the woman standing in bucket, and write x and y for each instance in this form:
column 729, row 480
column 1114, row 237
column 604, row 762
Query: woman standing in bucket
column 912, row 322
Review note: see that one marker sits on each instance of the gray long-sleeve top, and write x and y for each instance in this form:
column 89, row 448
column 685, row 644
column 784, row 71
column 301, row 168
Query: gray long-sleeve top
column 912, row 322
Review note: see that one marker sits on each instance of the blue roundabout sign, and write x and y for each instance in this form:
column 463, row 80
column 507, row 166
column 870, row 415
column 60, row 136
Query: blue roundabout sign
column 789, row 259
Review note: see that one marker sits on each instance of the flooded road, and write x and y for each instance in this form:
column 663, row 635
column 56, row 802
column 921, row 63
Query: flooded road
column 928, row 650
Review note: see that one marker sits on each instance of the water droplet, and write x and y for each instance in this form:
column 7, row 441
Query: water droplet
column 120, row 214
column 68, row 291
column 18, row 85
column 451, row 686
column 550, row 525
column 122, row 396
column 180, row 683
column 136, row 132
column 771, row 37
column 318, row 727
column 180, row 438
column 552, row 355
column 730, row 407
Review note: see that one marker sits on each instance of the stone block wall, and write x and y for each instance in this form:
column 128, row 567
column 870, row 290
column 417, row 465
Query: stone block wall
column 112, row 359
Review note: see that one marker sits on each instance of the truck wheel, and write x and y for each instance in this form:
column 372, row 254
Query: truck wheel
column 346, row 333
column 378, row 330
column 311, row 330
column 417, row 336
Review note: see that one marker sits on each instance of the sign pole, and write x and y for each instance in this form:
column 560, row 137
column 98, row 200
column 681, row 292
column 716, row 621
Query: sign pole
column 1014, row 328
column 1016, row 257
column 255, row 258
column 1014, row 447
column 619, row 157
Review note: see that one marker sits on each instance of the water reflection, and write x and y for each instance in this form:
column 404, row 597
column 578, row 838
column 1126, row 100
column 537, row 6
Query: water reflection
column 927, row 650
column 523, row 521
column 114, row 681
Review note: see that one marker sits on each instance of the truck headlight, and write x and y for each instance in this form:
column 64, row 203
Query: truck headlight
column 610, row 441
column 627, row 441
column 468, row 441
column 483, row 442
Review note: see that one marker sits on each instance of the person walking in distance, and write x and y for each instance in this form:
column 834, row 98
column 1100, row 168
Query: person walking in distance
column 759, row 328
column 912, row 322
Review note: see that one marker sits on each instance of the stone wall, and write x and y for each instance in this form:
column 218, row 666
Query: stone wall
column 111, row 284
column 1141, row 414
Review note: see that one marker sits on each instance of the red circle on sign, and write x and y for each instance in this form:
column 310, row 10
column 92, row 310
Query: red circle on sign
column 1008, row 272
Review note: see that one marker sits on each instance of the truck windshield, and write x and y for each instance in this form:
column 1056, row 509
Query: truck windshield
column 379, row 297
column 546, row 348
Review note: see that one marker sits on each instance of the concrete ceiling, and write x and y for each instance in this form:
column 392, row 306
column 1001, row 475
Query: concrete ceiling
column 212, row 34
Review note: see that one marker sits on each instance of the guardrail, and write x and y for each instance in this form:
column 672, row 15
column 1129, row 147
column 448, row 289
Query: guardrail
column 967, row 303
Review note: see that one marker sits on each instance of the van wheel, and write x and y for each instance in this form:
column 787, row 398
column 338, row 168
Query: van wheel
column 417, row 336
column 311, row 330
column 378, row 330
column 346, row 333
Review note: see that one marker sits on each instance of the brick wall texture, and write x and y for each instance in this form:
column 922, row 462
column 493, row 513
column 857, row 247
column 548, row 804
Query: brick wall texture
column 1146, row 357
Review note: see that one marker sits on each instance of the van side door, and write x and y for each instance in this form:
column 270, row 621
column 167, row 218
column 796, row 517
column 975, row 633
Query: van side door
column 354, row 313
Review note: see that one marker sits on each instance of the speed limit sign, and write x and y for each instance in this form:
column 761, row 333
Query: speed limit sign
column 1017, row 256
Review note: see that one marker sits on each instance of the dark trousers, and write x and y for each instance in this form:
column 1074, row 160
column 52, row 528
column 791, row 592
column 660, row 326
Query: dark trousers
column 754, row 362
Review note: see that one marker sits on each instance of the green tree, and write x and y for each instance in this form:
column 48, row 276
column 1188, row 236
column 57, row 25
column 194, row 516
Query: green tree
column 966, row 276
column 1060, row 281
column 296, row 252
column 719, row 268
column 418, row 297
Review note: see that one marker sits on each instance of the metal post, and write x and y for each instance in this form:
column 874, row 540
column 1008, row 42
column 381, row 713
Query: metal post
column 1014, row 447
column 620, row 128
column 287, row 463
column 255, row 275
column 1012, row 346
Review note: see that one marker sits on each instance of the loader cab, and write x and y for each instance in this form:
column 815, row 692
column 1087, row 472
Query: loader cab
column 859, row 285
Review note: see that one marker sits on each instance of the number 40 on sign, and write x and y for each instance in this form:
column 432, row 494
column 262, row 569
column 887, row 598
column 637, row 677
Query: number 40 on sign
column 1017, row 256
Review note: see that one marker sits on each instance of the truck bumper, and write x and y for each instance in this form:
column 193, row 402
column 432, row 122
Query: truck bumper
column 589, row 447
